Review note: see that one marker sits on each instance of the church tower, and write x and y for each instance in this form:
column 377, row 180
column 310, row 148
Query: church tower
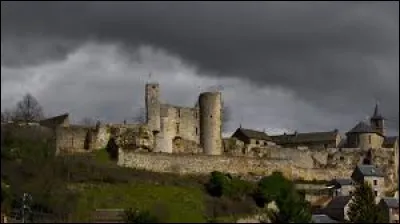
column 377, row 121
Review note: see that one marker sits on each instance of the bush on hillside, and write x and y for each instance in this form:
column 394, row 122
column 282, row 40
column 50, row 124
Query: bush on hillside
column 271, row 187
column 137, row 216
column 221, row 184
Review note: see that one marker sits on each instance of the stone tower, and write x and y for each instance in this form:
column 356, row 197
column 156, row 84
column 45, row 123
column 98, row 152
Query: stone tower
column 152, row 99
column 377, row 121
column 210, row 123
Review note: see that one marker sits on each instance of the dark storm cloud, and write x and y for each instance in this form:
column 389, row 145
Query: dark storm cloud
column 338, row 56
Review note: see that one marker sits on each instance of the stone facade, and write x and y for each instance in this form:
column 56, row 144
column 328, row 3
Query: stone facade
column 205, row 164
column 171, row 124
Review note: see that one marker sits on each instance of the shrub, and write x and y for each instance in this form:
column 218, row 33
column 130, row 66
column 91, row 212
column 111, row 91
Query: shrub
column 221, row 184
column 136, row 216
column 218, row 184
column 272, row 187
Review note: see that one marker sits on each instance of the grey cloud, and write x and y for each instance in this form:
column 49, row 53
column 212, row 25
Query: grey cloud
column 338, row 56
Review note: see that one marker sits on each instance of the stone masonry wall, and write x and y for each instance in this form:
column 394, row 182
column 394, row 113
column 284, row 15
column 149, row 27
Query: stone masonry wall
column 204, row 164
column 70, row 139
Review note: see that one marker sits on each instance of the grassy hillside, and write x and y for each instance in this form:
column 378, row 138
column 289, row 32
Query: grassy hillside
column 169, row 203
column 72, row 187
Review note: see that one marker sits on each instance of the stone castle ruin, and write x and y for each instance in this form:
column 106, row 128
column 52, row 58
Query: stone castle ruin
column 189, row 140
column 184, row 129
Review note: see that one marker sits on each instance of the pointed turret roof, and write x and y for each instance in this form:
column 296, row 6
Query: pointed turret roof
column 377, row 115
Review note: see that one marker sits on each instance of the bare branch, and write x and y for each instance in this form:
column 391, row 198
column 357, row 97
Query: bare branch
column 7, row 115
column 28, row 109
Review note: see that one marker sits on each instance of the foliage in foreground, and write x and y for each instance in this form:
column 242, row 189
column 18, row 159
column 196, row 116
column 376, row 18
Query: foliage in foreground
column 221, row 184
column 291, row 205
column 137, row 216
column 363, row 209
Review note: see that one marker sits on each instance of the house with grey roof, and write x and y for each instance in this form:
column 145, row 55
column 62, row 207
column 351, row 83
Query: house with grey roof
column 317, row 140
column 391, row 208
column 342, row 187
column 57, row 121
column 252, row 138
column 338, row 208
column 372, row 175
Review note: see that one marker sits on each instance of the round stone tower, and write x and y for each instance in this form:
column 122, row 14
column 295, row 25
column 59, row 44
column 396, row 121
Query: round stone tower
column 152, row 99
column 210, row 123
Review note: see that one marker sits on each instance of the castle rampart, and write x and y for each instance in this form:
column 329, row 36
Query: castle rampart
column 204, row 164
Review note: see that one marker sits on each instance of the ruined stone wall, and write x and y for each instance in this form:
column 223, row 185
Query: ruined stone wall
column 184, row 121
column 71, row 139
column 190, row 164
column 102, row 136
column 152, row 100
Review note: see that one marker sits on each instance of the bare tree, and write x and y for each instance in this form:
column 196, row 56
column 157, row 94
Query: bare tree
column 87, row 121
column 226, row 116
column 28, row 109
column 140, row 116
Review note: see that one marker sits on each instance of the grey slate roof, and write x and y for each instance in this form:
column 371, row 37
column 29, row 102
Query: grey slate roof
column 391, row 202
column 369, row 171
column 342, row 182
column 57, row 120
column 389, row 141
column 306, row 137
column 253, row 134
column 338, row 202
column 322, row 218
column 362, row 127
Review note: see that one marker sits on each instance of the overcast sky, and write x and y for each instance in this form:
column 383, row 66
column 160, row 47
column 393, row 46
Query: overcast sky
column 282, row 66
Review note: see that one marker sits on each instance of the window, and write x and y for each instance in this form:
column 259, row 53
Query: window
column 257, row 142
column 177, row 127
column 375, row 182
column 197, row 131
column 376, row 193
column 179, row 112
column 369, row 139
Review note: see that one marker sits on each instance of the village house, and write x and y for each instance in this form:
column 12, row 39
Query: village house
column 372, row 175
column 311, row 140
column 253, row 138
column 342, row 187
column 338, row 208
column 391, row 208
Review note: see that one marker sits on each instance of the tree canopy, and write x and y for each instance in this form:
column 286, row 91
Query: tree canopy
column 27, row 109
